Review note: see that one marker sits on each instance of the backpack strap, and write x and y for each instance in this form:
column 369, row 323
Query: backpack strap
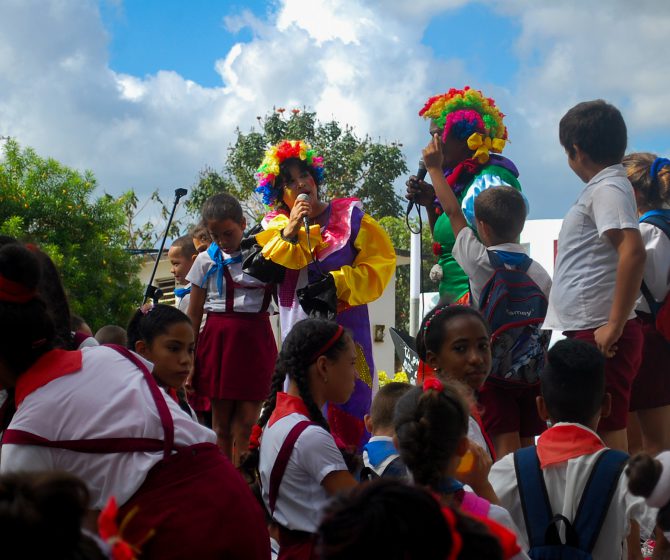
column 660, row 219
column 597, row 496
column 281, row 462
column 498, row 262
column 537, row 513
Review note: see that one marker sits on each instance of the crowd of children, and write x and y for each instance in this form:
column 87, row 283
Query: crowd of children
column 505, row 449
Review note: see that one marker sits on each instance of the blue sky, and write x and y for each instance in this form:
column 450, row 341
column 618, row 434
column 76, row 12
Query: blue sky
column 147, row 93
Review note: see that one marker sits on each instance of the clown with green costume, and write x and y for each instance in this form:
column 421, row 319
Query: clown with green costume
column 473, row 136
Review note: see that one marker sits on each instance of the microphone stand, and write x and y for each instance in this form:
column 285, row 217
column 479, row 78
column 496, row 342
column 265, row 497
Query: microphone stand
column 152, row 291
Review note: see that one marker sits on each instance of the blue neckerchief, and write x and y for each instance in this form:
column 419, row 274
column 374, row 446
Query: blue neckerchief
column 219, row 264
column 181, row 292
column 379, row 451
column 664, row 213
column 512, row 258
column 449, row 486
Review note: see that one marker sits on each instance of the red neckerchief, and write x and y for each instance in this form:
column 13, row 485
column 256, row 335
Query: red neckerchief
column 50, row 366
column 287, row 404
column 173, row 393
column 475, row 414
column 468, row 166
column 566, row 441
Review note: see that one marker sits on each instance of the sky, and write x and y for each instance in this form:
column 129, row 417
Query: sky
column 146, row 93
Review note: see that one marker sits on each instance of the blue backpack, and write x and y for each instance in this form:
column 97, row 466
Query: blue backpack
column 515, row 308
column 660, row 310
column 542, row 525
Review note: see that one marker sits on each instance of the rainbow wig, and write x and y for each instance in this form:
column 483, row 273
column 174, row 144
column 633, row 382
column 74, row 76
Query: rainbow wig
column 467, row 115
column 269, row 169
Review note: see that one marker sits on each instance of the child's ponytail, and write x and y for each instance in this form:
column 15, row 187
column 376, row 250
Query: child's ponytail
column 650, row 177
column 429, row 424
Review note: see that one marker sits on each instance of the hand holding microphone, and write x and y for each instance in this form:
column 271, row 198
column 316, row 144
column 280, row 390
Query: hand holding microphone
column 418, row 191
column 299, row 215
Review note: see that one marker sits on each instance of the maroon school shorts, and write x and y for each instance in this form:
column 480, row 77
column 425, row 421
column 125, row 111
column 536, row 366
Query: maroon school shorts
column 651, row 388
column 510, row 409
column 620, row 371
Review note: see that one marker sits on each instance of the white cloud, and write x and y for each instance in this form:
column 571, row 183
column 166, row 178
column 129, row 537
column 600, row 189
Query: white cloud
column 359, row 61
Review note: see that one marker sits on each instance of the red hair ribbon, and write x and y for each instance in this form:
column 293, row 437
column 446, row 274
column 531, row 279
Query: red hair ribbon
column 14, row 292
column 456, row 539
column 328, row 345
column 433, row 383
column 111, row 533
column 255, row 438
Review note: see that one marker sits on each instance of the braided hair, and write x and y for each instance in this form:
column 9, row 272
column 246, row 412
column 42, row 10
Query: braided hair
column 432, row 332
column 294, row 360
column 429, row 425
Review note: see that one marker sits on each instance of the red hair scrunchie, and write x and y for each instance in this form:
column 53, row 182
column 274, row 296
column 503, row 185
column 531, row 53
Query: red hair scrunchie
column 433, row 383
column 255, row 438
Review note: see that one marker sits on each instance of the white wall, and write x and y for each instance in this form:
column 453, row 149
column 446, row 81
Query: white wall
column 541, row 235
column 382, row 312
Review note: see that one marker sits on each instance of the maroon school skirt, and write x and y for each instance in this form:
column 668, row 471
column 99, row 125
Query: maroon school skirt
column 651, row 388
column 235, row 357
column 296, row 545
column 194, row 504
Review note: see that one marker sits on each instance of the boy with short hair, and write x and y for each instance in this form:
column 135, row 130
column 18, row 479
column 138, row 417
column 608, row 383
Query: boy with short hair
column 573, row 400
column 182, row 255
column 601, row 256
column 509, row 412
column 380, row 456
column 112, row 334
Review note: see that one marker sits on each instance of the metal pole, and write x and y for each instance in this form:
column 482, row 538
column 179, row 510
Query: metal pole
column 151, row 291
column 414, row 282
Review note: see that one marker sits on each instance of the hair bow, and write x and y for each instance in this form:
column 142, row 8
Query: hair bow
column 483, row 145
column 433, row 383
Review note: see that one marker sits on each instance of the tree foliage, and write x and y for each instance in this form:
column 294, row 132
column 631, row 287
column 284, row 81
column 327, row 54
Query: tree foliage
column 400, row 237
column 354, row 166
column 51, row 205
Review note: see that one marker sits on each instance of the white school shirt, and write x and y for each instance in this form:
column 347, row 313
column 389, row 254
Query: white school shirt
column 585, row 272
column 249, row 292
column 565, row 483
column 471, row 255
column 301, row 497
column 657, row 266
column 182, row 303
column 107, row 398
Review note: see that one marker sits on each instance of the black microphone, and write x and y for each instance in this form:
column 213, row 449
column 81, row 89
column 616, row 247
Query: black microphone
column 305, row 219
column 420, row 175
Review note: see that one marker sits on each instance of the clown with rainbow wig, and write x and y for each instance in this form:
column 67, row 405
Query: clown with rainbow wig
column 473, row 135
column 347, row 252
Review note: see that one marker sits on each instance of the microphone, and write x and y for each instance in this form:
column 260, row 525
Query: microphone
column 420, row 175
column 304, row 197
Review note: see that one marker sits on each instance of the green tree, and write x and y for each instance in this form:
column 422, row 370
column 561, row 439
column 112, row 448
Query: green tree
column 354, row 166
column 146, row 235
column 400, row 236
column 51, row 205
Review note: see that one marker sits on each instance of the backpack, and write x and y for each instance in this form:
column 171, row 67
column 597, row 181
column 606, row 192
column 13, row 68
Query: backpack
column 515, row 308
column 660, row 311
column 582, row 532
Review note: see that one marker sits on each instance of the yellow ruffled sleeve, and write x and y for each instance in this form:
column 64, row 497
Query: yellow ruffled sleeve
column 287, row 253
column 365, row 280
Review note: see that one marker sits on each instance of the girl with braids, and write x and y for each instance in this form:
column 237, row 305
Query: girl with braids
column 163, row 335
column 649, row 423
column 299, row 463
column 98, row 413
column 431, row 424
column 454, row 341
column 345, row 264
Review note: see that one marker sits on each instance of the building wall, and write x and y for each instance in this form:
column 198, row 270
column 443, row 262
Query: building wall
column 541, row 237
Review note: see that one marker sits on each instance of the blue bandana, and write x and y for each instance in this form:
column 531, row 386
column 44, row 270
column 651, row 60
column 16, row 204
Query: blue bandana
column 219, row 264
column 449, row 486
column 181, row 292
column 379, row 451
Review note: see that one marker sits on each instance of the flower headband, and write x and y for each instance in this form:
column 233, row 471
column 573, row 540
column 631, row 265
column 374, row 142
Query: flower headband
column 468, row 115
column 274, row 157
